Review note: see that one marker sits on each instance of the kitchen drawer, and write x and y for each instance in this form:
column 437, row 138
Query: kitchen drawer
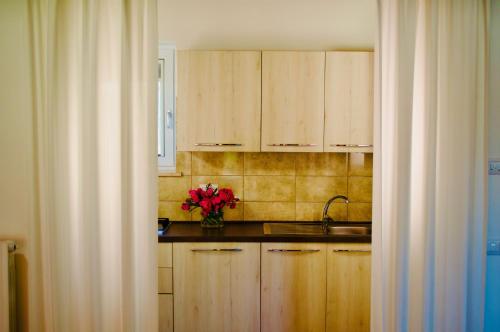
column 165, row 280
column 165, row 255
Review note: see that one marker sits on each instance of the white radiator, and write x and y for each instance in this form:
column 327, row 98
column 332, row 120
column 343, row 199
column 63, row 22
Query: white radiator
column 7, row 287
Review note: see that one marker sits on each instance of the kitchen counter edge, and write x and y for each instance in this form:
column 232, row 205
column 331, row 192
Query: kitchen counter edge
column 245, row 232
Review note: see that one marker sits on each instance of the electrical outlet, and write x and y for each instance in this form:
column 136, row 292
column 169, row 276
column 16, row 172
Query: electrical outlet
column 494, row 167
column 494, row 247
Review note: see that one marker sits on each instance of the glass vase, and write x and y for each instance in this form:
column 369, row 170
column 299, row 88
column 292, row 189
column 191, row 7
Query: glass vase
column 213, row 220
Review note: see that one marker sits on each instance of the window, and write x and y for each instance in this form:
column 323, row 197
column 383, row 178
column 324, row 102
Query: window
column 166, row 108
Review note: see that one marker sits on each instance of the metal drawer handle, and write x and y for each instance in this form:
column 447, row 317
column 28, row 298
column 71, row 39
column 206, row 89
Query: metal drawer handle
column 351, row 250
column 217, row 250
column 293, row 144
column 353, row 145
column 293, row 250
column 218, row 144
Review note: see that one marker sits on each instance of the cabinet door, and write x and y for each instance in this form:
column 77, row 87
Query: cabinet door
column 165, row 313
column 348, row 297
column 349, row 102
column 293, row 287
column 292, row 101
column 218, row 101
column 216, row 287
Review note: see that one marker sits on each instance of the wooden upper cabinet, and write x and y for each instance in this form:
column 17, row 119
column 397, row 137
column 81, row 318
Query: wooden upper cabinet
column 348, row 296
column 216, row 287
column 349, row 102
column 292, row 101
column 218, row 100
column 293, row 289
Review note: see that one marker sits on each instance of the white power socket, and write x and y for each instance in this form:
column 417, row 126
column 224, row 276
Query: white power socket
column 494, row 247
column 494, row 167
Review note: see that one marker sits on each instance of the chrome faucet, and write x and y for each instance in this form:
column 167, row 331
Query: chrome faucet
column 326, row 218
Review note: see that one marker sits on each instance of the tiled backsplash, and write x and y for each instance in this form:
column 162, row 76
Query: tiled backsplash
column 274, row 186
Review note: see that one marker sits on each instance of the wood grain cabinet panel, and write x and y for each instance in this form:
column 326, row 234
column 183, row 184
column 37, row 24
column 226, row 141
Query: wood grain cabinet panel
column 164, row 280
column 216, row 287
column 293, row 287
column 165, row 313
column 292, row 101
column 349, row 102
column 218, row 100
column 164, row 254
column 348, row 279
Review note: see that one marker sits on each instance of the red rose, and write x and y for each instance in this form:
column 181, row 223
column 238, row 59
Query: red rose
column 216, row 200
column 226, row 195
column 194, row 196
column 206, row 205
column 185, row 206
column 232, row 205
column 210, row 192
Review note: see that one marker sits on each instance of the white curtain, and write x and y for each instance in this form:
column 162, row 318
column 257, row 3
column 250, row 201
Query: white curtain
column 95, row 83
column 430, row 166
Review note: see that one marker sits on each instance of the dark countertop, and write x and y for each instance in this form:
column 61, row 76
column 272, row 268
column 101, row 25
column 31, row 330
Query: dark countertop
column 245, row 232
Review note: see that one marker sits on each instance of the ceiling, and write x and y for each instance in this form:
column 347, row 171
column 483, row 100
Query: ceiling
column 268, row 24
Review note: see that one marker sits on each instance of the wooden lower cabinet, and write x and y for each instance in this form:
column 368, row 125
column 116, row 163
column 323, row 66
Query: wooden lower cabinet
column 165, row 313
column 348, row 280
column 293, row 290
column 216, row 287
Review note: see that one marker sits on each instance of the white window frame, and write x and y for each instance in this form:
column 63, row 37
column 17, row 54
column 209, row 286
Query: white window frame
column 166, row 108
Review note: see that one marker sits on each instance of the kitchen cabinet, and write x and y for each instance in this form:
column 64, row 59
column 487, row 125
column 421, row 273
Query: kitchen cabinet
column 348, row 283
column 216, row 287
column 165, row 297
column 293, row 290
column 349, row 102
column 292, row 101
column 218, row 101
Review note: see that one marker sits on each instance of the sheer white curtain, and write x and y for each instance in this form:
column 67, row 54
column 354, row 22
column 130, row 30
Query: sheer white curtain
column 95, row 82
column 430, row 166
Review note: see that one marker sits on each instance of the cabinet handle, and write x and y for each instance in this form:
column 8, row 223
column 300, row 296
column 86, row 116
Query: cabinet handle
column 294, row 250
column 170, row 116
column 218, row 144
column 293, row 144
column 353, row 145
column 352, row 250
column 217, row 250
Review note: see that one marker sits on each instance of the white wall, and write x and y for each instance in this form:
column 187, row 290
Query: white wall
column 17, row 190
column 268, row 24
column 492, row 321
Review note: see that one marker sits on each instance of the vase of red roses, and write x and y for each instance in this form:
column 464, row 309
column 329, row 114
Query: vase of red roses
column 212, row 201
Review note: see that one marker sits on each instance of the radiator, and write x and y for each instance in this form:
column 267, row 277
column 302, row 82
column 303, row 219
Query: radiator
column 7, row 287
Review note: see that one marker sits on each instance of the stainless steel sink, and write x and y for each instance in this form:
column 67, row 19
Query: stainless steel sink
column 292, row 229
column 350, row 230
column 316, row 229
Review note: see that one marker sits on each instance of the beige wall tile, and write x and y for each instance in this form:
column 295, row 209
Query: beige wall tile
column 173, row 211
column 359, row 211
column 235, row 214
column 269, row 188
column 174, row 188
column 217, row 163
column 360, row 164
column 360, row 189
column 183, row 163
column 321, row 164
column 266, row 211
column 269, row 163
column 224, row 181
column 314, row 211
column 319, row 188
